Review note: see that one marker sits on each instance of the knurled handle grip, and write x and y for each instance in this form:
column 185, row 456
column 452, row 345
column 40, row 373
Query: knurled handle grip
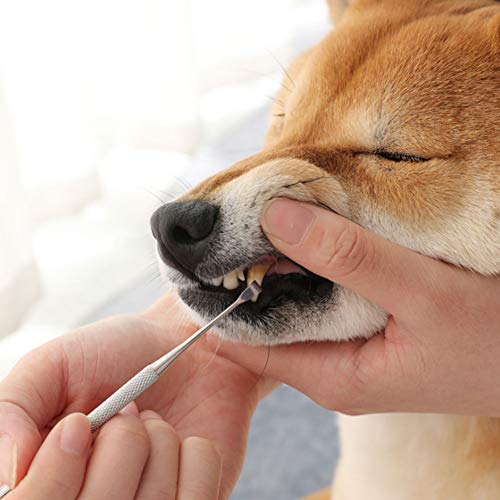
column 122, row 397
column 4, row 489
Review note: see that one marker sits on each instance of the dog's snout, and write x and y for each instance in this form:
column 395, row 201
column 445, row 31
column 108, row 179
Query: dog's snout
column 183, row 231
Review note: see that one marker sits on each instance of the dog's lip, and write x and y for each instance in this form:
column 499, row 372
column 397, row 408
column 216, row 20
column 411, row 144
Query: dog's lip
column 170, row 261
column 277, row 291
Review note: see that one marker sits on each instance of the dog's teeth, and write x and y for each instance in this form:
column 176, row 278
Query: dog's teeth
column 257, row 273
column 217, row 281
column 241, row 274
column 231, row 280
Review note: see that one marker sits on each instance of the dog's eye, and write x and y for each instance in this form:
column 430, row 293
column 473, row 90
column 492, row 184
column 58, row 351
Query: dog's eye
column 279, row 115
column 400, row 157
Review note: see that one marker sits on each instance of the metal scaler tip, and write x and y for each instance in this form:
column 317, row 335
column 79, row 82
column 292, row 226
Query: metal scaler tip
column 251, row 292
column 4, row 489
column 151, row 373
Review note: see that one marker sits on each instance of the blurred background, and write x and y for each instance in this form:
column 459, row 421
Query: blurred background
column 108, row 108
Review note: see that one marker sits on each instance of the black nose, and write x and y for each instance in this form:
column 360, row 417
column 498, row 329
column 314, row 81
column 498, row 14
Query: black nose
column 183, row 230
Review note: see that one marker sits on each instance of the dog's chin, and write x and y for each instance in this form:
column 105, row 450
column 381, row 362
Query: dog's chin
column 287, row 310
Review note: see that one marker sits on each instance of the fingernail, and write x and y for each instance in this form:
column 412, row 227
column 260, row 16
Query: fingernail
column 287, row 220
column 150, row 415
column 7, row 460
column 75, row 434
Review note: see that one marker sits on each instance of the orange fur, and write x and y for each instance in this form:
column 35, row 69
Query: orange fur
column 420, row 77
column 319, row 495
column 365, row 93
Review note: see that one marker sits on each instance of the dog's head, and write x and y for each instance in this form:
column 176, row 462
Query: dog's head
column 393, row 122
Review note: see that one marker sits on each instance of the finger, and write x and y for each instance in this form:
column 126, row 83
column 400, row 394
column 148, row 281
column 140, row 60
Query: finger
column 199, row 470
column 19, row 441
column 58, row 468
column 23, row 411
column 159, row 479
column 161, row 311
column 118, row 458
column 341, row 251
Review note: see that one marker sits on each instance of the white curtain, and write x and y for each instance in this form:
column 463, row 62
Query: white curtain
column 82, row 80
column 19, row 279
column 103, row 95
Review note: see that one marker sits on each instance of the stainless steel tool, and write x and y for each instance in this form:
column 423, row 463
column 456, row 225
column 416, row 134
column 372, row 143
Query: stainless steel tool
column 151, row 373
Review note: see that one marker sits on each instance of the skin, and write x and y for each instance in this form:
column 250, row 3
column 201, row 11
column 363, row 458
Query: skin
column 202, row 397
column 135, row 456
column 439, row 353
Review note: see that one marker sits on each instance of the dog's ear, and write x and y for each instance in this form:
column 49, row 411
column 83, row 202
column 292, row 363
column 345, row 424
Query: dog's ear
column 494, row 27
column 337, row 8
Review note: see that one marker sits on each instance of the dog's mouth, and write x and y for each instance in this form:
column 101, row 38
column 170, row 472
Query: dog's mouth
column 262, row 269
column 281, row 279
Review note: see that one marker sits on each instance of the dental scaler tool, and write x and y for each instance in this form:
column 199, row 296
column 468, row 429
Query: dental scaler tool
column 151, row 373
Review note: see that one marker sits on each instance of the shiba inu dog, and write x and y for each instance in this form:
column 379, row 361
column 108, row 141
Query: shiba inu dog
column 392, row 121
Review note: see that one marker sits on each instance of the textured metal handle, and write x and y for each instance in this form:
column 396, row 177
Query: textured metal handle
column 4, row 489
column 122, row 397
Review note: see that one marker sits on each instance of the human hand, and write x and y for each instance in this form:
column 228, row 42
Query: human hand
column 200, row 395
column 135, row 456
column 440, row 351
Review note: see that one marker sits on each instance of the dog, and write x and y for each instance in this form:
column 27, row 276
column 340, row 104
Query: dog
column 392, row 121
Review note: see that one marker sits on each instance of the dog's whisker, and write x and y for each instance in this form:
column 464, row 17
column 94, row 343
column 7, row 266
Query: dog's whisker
column 150, row 265
column 168, row 194
column 279, row 82
column 154, row 278
column 185, row 184
column 282, row 67
column 162, row 201
column 261, row 373
column 214, row 354
column 325, row 206
column 276, row 100
column 307, row 181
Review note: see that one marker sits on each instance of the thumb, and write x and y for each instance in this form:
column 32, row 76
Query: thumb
column 19, row 442
column 342, row 251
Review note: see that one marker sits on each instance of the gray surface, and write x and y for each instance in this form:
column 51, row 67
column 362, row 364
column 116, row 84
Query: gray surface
column 291, row 451
column 293, row 444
